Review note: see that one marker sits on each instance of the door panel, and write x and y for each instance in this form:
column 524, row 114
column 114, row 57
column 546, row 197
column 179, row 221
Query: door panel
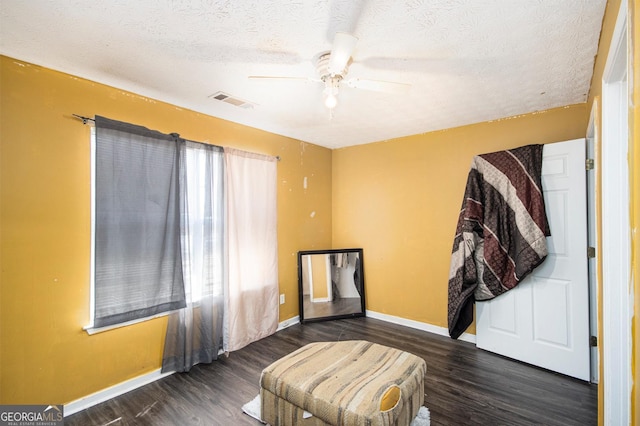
column 544, row 321
column 503, row 317
column 551, row 295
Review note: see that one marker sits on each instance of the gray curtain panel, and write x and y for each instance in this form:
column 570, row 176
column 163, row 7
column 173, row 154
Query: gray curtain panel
column 138, row 260
column 195, row 333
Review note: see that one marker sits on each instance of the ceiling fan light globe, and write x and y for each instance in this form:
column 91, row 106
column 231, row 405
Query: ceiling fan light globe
column 330, row 101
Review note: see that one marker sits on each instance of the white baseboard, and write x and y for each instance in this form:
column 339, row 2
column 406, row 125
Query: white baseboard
column 443, row 331
column 288, row 323
column 112, row 392
column 129, row 385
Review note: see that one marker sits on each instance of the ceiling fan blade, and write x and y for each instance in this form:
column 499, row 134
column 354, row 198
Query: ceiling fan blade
column 278, row 78
column 343, row 46
column 378, row 85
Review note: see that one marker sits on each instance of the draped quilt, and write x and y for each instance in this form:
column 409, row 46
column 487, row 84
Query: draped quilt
column 501, row 231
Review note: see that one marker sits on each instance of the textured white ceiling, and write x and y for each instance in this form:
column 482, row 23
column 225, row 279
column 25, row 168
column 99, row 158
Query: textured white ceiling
column 468, row 61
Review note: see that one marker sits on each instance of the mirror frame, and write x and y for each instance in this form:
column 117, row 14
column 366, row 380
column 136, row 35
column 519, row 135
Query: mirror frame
column 362, row 312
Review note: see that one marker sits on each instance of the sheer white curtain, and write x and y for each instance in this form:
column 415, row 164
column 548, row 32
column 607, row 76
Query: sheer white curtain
column 252, row 288
column 195, row 333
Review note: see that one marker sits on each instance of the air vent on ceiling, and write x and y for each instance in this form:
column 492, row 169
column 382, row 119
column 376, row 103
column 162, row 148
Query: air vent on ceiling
column 233, row 100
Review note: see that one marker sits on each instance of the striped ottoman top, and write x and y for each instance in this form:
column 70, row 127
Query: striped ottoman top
column 344, row 382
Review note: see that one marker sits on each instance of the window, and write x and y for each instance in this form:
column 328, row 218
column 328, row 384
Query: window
column 157, row 222
column 161, row 231
column 203, row 221
column 137, row 267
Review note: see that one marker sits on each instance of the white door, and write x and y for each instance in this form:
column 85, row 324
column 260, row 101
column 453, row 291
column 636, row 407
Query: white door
column 544, row 320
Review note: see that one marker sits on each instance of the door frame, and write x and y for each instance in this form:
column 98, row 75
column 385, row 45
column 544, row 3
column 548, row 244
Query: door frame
column 593, row 141
column 617, row 298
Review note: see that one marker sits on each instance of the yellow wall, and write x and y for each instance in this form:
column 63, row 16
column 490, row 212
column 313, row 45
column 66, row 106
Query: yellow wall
column 400, row 200
column 45, row 357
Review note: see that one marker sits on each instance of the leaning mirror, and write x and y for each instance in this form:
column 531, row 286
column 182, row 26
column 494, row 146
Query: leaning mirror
column 330, row 284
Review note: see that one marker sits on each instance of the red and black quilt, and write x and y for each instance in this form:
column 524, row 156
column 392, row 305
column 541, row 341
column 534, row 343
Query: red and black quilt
column 501, row 231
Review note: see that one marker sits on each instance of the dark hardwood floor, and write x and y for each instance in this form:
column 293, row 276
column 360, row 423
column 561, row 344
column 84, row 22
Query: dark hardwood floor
column 463, row 385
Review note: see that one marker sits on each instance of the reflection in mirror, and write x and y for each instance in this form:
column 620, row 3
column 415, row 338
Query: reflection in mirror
column 330, row 284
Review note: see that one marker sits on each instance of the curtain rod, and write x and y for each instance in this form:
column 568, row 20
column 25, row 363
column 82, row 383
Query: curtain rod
column 85, row 119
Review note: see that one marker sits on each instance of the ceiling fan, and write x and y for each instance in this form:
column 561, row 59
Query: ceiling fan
column 332, row 68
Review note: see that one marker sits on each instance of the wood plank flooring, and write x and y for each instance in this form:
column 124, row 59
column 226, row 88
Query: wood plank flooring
column 463, row 385
column 340, row 306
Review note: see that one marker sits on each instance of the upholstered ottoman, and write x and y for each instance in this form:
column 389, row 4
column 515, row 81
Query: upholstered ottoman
column 343, row 383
